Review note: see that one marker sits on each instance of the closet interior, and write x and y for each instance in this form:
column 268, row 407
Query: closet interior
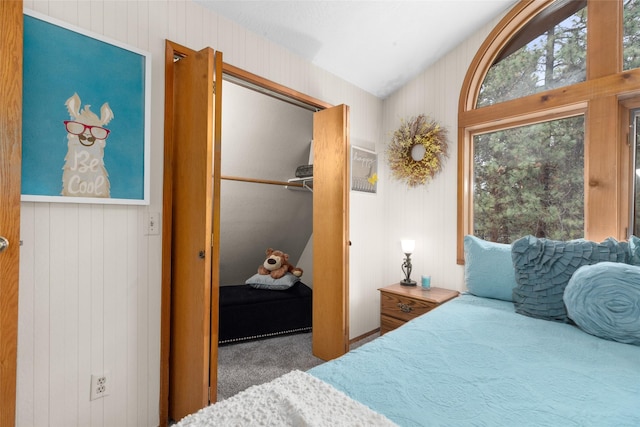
column 265, row 139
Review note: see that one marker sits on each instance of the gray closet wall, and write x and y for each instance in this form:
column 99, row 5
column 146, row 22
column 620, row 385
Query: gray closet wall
column 263, row 138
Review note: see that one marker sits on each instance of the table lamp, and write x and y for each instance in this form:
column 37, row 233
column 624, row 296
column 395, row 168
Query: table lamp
column 407, row 248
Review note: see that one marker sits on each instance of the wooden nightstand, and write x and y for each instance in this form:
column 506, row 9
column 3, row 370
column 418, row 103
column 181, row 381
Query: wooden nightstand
column 399, row 304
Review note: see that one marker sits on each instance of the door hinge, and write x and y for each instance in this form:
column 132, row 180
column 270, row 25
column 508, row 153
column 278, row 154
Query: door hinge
column 214, row 88
column 209, row 396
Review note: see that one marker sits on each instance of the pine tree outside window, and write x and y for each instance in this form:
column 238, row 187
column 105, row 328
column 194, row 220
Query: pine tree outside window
column 530, row 180
column 543, row 122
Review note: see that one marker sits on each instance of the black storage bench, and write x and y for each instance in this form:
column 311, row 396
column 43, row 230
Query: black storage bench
column 247, row 313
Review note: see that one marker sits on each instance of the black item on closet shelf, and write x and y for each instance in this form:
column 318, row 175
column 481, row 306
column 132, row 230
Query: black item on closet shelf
column 304, row 171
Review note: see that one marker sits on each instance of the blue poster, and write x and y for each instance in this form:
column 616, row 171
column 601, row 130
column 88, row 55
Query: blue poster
column 85, row 136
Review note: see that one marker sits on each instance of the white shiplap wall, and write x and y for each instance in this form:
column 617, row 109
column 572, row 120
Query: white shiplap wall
column 428, row 213
column 90, row 278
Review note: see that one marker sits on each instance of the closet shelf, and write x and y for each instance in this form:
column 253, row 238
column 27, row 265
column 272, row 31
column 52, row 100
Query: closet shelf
column 307, row 183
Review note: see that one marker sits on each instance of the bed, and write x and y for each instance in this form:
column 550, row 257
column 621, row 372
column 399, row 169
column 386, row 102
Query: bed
column 474, row 361
column 248, row 313
column 478, row 360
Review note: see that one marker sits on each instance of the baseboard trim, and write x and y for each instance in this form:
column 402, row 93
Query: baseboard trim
column 363, row 336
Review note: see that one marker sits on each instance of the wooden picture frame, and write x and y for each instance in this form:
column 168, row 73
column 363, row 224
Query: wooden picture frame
column 86, row 117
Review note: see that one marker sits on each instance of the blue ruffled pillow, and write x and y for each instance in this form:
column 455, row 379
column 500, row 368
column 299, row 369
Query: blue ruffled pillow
column 543, row 268
column 604, row 300
column 488, row 269
column 264, row 281
column 634, row 250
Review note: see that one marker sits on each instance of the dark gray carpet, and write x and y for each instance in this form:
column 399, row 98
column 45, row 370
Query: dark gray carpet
column 250, row 363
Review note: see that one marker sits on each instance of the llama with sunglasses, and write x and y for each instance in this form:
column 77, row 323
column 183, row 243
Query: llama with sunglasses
column 84, row 173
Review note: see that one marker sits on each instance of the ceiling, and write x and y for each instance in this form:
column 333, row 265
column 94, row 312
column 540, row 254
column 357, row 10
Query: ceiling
column 375, row 45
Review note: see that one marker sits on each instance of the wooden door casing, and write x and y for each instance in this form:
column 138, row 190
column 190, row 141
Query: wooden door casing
column 338, row 289
column 11, row 33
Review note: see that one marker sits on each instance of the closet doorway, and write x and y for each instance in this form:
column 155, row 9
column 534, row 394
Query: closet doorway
column 264, row 139
column 191, row 209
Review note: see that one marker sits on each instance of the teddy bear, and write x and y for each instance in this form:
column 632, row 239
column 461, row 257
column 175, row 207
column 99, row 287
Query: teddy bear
column 277, row 264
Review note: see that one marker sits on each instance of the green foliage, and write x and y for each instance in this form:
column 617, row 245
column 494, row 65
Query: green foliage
column 631, row 34
column 530, row 179
column 554, row 59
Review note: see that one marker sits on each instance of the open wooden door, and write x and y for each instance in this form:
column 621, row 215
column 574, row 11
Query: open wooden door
column 331, row 232
column 10, row 163
column 189, row 351
column 194, row 250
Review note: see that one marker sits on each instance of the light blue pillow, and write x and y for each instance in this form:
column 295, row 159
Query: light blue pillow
column 488, row 269
column 264, row 281
column 543, row 268
column 604, row 300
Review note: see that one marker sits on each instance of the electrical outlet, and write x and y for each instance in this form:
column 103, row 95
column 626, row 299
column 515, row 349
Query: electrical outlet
column 99, row 386
column 153, row 223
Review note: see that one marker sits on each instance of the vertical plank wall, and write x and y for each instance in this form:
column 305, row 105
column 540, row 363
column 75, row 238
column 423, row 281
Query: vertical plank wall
column 90, row 276
column 428, row 213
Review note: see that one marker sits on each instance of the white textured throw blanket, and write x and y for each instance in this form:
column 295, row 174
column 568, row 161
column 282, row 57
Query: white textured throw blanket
column 294, row 399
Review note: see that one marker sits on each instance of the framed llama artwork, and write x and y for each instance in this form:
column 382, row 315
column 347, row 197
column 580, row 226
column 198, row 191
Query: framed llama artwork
column 85, row 118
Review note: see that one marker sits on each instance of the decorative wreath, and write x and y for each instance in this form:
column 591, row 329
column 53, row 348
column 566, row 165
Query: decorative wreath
column 417, row 150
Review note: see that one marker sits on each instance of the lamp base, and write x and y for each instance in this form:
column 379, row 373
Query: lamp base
column 405, row 282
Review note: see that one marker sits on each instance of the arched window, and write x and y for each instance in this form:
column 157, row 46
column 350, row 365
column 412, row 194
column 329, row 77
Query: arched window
column 543, row 122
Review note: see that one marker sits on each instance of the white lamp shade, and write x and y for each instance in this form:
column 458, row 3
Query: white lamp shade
column 408, row 246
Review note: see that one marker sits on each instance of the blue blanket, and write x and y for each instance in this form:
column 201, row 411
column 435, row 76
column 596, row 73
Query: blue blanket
column 475, row 362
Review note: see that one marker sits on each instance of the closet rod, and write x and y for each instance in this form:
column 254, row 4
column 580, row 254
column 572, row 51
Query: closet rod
column 262, row 181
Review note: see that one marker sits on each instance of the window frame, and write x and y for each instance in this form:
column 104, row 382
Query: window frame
column 603, row 98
